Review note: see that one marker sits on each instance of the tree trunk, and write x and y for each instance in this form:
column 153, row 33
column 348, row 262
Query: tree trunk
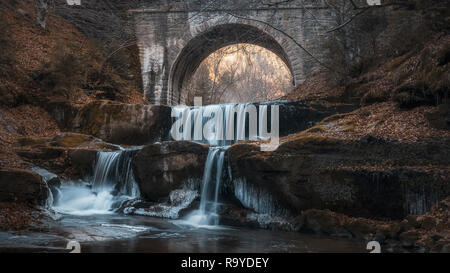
column 42, row 9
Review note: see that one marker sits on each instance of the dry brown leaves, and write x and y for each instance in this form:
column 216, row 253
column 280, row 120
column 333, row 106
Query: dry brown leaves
column 18, row 122
column 15, row 217
column 385, row 120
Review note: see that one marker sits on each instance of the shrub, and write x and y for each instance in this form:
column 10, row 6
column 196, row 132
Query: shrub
column 352, row 49
column 409, row 96
column 64, row 72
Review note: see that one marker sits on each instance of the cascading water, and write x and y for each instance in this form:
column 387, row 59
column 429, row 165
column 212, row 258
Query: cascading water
column 112, row 184
column 53, row 192
column 225, row 124
column 113, row 172
column 207, row 214
column 220, row 126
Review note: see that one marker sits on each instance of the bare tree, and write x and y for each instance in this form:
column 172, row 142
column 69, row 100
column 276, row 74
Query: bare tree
column 239, row 73
column 42, row 10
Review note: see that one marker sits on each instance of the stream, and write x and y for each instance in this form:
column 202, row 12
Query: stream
column 114, row 233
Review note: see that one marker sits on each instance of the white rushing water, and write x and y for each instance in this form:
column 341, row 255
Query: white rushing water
column 221, row 126
column 225, row 124
column 47, row 177
column 207, row 214
column 112, row 184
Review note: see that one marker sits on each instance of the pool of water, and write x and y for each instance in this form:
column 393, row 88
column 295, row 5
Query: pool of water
column 117, row 233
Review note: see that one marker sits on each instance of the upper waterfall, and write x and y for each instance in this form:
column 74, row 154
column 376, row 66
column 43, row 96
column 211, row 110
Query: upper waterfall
column 225, row 124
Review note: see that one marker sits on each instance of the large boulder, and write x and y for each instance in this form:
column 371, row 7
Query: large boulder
column 118, row 123
column 52, row 180
column 70, row 155
column 162, row 168
column 23, row 186
column 82, row 162
column 324, row 173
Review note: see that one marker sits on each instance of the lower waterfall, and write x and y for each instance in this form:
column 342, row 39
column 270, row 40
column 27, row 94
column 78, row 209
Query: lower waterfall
column 112, row 184
column 207, row 214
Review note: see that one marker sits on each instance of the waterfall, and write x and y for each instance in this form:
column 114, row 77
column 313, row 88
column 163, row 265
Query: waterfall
column 113, row 173
column 207, row 214
column 257, row 199
column 53, row 190
column 112, row 184
column 221, row 125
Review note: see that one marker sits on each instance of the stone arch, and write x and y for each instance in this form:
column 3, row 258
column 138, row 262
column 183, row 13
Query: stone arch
column 212, row 39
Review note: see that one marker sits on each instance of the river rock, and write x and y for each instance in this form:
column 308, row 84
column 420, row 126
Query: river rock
column 52, row 180
column 127, row 124
column 311, row 172
column 22, row 186
column 70, row 155
column 82, row 162
column 162, row 168
column 179, row 204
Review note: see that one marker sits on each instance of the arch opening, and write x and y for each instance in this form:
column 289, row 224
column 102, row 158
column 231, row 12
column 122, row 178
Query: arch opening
column 202, row 46
column 237, row 74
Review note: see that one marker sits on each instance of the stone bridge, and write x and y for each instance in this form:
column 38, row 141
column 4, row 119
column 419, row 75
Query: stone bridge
column 175, row 36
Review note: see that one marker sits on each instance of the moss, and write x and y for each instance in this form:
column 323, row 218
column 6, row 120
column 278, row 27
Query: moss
column 106, row 146
column 374, row 96
column 69, row 140
column 302, row 142
column 30, row 141
column 334, row 118
column 94, row 116
column 397, row 62
column 316, row 129
column 415, row 94
column 241, row 149
column 437, row 79
column 348, row 126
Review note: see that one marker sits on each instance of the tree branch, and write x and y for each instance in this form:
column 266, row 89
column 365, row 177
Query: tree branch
column 348, row 21
column 288, row 36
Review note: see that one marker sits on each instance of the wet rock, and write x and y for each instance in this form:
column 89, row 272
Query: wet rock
column 70, row 140
column 42, row 153
column 52, row 180
column 70, row 155
column 410, row 237
column 120, row 123
column 82, row 162
column 311, row 172
column 10, row 129
column 22, row 186
column 325, row 222
column 62, row 112
column 162, row 168
column 372, row 139
column 180, row 202
column 233, row 215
